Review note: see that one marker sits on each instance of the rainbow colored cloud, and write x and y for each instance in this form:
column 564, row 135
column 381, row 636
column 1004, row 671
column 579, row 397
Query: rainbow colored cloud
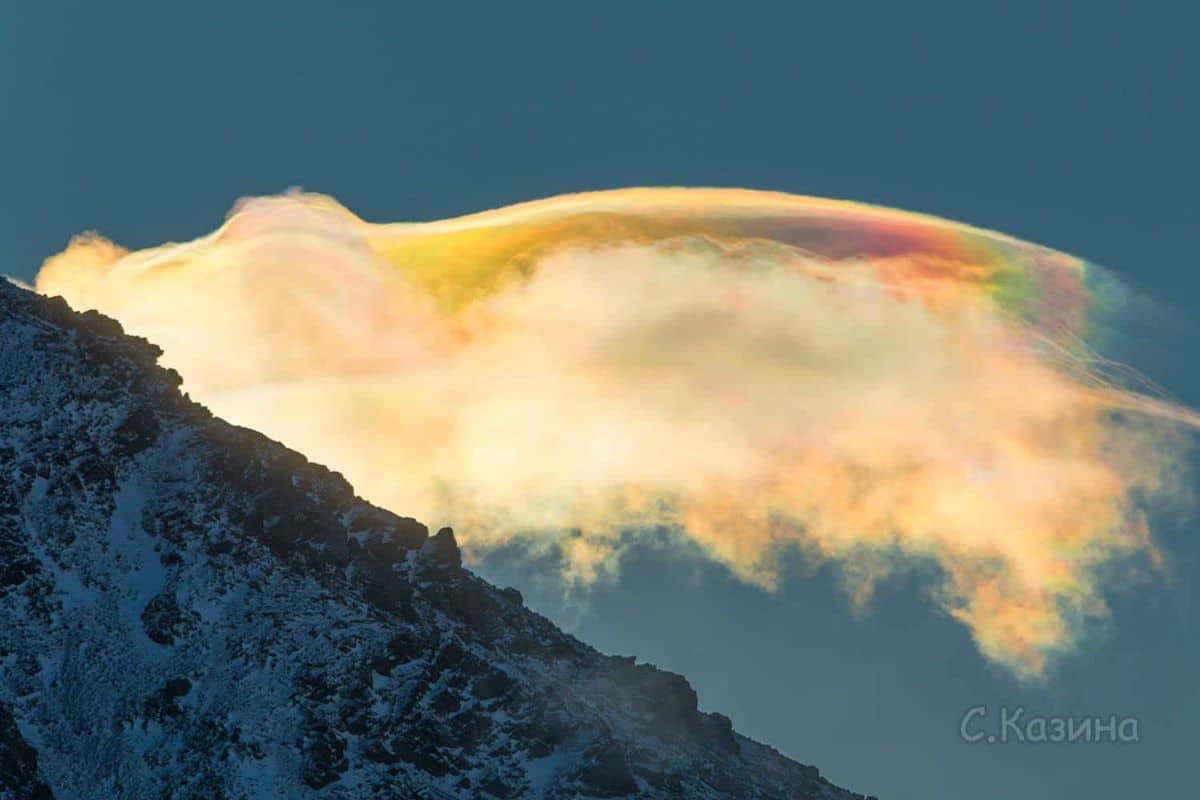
column 756, row 371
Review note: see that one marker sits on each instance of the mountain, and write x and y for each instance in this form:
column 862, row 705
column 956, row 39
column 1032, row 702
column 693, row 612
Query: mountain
column 191, row 610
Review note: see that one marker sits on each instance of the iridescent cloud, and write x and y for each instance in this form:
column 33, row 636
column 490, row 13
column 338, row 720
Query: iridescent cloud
column 755, row 371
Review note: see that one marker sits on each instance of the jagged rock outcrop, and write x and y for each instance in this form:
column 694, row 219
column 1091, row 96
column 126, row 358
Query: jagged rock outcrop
column 191, row 610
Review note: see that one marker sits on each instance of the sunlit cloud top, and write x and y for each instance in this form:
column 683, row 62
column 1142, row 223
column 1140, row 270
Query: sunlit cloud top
column 754, row 371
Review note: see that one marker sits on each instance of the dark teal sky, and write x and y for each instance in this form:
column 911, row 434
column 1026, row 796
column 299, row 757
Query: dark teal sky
column 1070, row 124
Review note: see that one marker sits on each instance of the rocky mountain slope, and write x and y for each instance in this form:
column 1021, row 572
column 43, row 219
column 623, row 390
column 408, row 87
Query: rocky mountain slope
column 191, row 610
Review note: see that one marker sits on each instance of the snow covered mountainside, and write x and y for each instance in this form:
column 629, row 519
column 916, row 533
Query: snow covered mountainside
column 191, row 610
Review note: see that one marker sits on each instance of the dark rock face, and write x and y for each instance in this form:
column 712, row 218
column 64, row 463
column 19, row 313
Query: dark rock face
column 19, row 776
column 191, row 610
column 607, row 773
column 162, row 618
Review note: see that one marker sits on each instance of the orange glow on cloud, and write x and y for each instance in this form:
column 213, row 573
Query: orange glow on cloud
column 757, row 371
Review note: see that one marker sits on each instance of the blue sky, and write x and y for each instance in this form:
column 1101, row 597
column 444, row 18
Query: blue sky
column 1070, row 124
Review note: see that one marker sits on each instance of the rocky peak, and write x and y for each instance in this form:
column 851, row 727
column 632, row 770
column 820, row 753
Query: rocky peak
column 193, row 610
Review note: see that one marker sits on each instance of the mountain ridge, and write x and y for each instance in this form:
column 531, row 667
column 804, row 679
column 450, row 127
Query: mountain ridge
column 194, row 610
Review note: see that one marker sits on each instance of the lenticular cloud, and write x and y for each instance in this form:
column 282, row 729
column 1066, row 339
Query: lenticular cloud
column 753, row 371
